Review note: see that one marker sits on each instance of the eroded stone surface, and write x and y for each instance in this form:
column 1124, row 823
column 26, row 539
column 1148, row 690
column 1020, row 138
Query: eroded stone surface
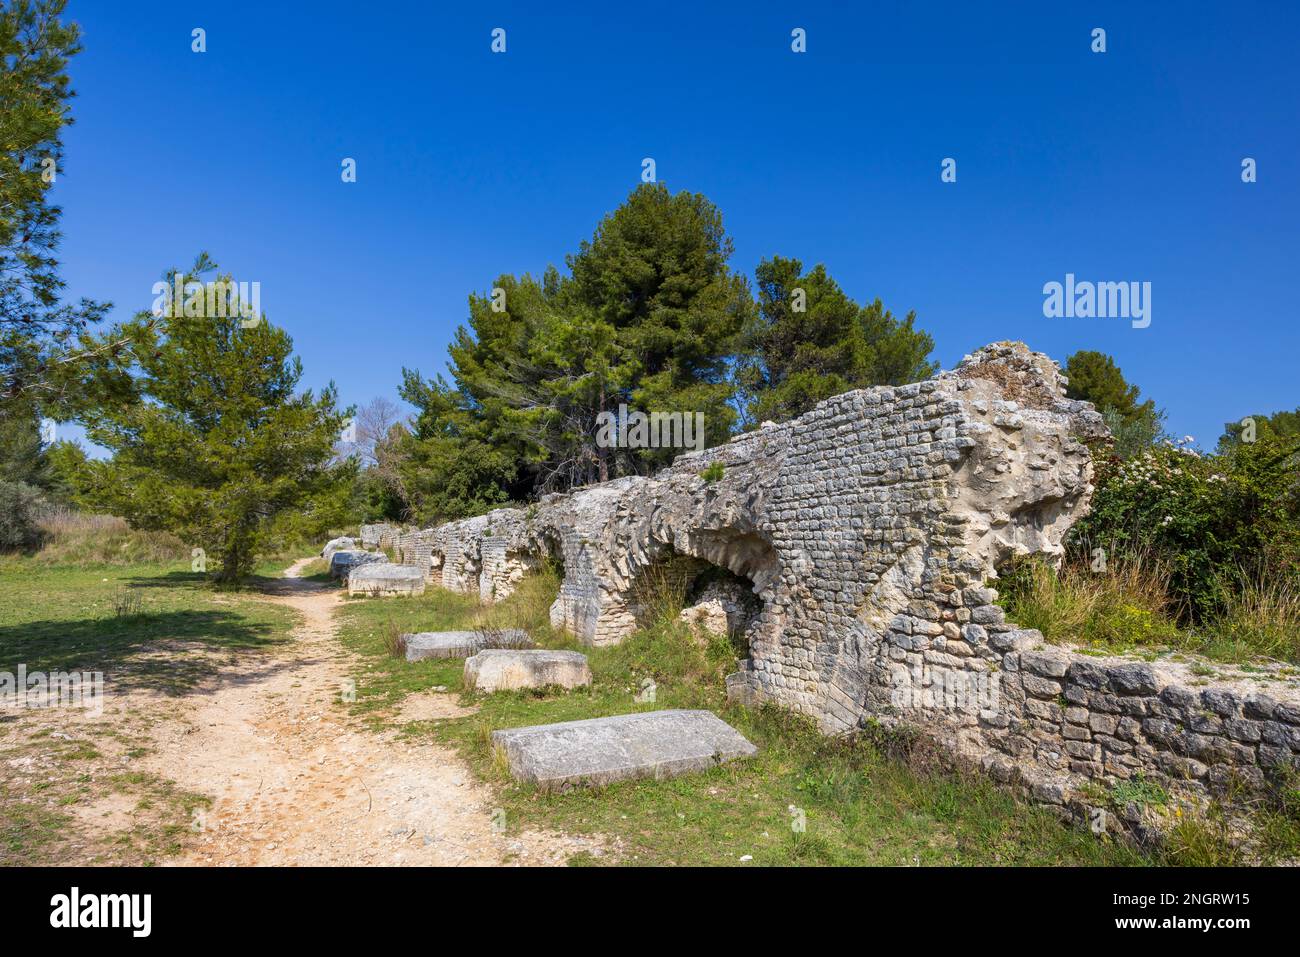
column 458, row 644
column 720, row 609
column 502, row 669
column 869, row 531
column 337, row 544
column 382, row 578
column 379, row 535
column 599, row 751
column 344, row 560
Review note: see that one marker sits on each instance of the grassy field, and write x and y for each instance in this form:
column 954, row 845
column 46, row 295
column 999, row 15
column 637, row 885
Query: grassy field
column 861, row 805
column 71, row 790
column 160, row 626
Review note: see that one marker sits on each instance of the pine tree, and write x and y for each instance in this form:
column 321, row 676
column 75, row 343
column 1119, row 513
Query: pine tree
column 213, row 441
column 36, row 329
column 648, row 319
column 810, row 341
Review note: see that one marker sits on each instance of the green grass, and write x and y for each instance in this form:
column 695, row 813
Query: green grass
column 862, row 804
column 65, row 618
column 31, row 832
column 154, row 626
column 317, row 570
column 1126, row 610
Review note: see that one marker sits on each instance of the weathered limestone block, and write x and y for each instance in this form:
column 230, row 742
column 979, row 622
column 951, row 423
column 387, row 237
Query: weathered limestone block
column 337, row 544
column 719, row 609
column 459, row 644
column 344, row 560
column 502, row 669
column 598, row 751
column 382, row 579
column 379, row 535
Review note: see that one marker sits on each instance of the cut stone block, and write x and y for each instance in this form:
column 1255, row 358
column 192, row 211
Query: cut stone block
column 382, row 578
column 457, row 644
column 599, row 751
column 336, row 545
column 344, row 560
column 501, row 669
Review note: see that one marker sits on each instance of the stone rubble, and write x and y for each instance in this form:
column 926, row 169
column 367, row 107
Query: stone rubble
column 459, row 644
column 380, row 579
column 343, row 561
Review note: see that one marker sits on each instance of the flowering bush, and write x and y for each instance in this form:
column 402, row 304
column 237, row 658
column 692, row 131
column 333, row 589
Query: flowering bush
column 1211, row 520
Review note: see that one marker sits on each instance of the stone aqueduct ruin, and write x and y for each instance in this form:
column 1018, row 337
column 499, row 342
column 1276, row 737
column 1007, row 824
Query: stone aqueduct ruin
column 867, row 531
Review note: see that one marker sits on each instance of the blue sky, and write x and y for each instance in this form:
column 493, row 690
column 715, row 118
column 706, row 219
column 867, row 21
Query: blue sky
column 1116, row 166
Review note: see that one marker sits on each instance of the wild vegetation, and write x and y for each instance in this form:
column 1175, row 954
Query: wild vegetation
column 1181, row 549
column 873, row 798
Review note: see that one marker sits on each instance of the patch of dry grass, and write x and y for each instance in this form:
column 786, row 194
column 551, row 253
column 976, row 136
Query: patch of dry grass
column 80, row 539
column 1124, row 605
column 1261, row 619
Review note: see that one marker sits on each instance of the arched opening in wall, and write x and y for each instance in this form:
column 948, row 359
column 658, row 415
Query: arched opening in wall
column 535, row 576
column 547, row 557
column 715, row 603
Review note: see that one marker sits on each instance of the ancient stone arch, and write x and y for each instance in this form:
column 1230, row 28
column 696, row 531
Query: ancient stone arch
column 871, row 528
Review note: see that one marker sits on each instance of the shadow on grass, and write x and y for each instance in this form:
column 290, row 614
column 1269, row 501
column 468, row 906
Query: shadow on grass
column 176, row 579
column 169, row 652
column 250, row 584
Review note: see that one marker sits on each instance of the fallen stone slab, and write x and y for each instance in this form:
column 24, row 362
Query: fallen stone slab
column 459, row 644
column 502, row 669
column 597, row 751
column 336, row 545
column 382, row 578
column 344, row 560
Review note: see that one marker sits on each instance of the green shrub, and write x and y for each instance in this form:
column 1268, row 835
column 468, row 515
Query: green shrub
column 713, row 471
column 20, row 505
column 1206, row 519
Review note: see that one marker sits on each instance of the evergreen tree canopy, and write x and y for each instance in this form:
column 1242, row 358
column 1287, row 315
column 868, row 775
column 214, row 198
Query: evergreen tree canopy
column 648, row 318
column 794, row 358
column 1281, row 426
column 35, row 97
column 1094, row 377
column 213, row 441
column 1134, row 426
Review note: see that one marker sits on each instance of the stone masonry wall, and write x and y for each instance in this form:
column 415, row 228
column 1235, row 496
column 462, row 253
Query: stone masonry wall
column 870, row 528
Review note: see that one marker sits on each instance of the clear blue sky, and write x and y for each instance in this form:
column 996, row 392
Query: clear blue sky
column 1116, row 166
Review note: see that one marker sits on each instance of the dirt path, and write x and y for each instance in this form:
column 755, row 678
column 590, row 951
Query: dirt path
column 295, row 781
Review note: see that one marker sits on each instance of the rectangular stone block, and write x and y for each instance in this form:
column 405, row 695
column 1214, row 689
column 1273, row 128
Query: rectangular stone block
column 459, row 644
column 385, row 579
column 600, row 751
column 503, row 669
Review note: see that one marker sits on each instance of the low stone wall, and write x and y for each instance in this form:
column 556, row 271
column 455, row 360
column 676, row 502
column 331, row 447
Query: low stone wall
column 1064, row 726
column 869, row 530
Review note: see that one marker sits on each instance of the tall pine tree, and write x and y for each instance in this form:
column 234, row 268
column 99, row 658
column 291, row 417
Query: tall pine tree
column 648, row 318
column 810, row 341
column 36, row 328
column 214, row 441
